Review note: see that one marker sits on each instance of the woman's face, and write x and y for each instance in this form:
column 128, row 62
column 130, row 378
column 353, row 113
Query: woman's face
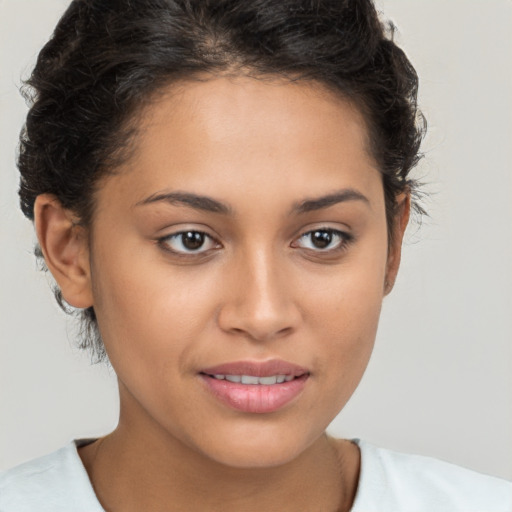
column 248, row 229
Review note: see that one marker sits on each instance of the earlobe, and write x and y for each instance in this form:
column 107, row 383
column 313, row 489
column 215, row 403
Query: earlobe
column 65, row 249
column 395, row 249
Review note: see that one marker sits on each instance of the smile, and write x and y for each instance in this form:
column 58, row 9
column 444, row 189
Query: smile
column 252, row 379
column 254, row 386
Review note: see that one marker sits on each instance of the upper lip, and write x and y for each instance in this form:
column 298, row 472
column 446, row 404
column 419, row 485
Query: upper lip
column 257, row 368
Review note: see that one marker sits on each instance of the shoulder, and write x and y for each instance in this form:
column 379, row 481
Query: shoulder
column 56, row 482
column 412, row 483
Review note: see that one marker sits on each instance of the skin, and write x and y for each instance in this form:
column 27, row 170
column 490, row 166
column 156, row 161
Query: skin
column 257, row 290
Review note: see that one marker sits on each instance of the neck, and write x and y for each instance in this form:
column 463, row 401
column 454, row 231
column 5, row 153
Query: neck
column 140, row 466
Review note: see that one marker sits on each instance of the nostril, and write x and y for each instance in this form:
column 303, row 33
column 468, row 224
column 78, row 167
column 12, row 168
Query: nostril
column 258, row 318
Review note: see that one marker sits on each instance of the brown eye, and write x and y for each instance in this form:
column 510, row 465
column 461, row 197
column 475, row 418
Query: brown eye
column 188, row 242
column 321, row 239
column 192, row 240
column 324, row 240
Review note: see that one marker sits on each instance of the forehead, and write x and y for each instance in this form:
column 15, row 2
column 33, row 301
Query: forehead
column 247, row 132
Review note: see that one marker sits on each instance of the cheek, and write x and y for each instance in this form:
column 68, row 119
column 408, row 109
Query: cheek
column 347, row 300
column 347, row 344
column 149, row 311
column 346, row 312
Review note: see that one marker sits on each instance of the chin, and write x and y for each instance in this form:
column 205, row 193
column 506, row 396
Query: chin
column 258, row 447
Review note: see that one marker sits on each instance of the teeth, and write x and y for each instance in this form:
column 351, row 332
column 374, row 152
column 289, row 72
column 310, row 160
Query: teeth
column 268, row 381
column 251, row 379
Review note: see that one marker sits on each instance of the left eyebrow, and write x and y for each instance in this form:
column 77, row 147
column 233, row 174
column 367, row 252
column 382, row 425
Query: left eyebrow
column 319, row 203
column 194, row 201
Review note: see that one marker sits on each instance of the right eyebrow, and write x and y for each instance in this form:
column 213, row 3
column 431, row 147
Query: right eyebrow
column 329, row 200
column 190, row 200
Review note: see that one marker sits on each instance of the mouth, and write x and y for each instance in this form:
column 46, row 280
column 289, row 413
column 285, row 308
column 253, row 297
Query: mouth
column 255, row 387
column 253, row 379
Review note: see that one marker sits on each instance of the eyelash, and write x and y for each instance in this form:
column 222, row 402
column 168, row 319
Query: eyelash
column 344, row 240
column 164, row 243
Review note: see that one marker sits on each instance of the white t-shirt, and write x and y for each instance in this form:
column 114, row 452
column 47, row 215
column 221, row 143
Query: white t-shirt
column 389, row 482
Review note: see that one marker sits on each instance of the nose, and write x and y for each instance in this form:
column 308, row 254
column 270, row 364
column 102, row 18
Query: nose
column 259, row 301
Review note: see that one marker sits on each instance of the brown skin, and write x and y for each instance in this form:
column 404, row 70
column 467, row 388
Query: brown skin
column 257, row 290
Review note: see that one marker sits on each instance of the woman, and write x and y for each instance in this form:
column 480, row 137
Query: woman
column 221, row 189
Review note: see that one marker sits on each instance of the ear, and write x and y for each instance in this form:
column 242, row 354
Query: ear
column 65, row 249
column 396, row 238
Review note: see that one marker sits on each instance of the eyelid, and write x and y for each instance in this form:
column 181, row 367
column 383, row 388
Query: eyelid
column 163, row 242
column 346, row 239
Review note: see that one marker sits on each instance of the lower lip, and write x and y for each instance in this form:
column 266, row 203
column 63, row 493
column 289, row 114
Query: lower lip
column 255, row 398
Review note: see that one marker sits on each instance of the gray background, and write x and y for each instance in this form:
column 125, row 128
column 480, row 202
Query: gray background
column 440, row 379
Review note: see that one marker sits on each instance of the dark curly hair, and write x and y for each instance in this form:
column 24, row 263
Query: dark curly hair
column 107, row 59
